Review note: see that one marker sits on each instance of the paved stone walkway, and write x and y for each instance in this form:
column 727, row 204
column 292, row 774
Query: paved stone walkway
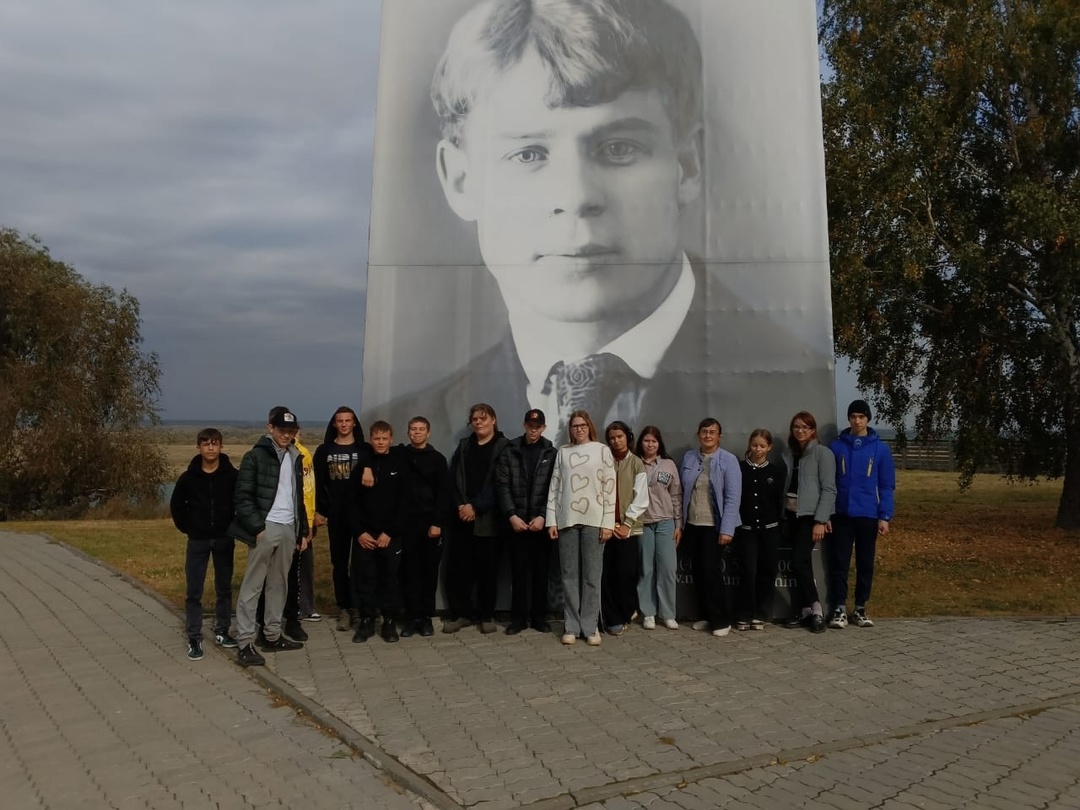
column 100, row 708
column 939, row 714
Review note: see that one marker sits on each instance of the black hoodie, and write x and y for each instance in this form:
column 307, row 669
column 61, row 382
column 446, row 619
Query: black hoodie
column 202, row 502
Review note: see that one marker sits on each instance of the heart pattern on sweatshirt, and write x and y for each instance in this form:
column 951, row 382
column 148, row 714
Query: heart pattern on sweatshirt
column 581, row 506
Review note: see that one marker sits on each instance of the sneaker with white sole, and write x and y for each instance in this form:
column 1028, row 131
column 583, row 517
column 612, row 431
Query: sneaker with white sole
column 861, row 619
column 194, row 649
column 757, row 624
column 742, row 626
column 700, row 625
column 671, row 624
column 569, row 638
column 649, row 622
column 225, row 640
column 720, row 632
column 312, row 617
column 594, row 640
column 838, row 620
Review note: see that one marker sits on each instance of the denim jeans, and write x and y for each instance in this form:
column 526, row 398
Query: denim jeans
column 199, row 552
column 581, row 560
column 658, row 566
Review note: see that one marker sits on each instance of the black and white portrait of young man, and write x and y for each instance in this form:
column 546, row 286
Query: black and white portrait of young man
column 615, row 205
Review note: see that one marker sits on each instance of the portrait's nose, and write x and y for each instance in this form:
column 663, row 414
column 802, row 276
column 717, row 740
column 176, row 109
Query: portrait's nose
column 576, row 188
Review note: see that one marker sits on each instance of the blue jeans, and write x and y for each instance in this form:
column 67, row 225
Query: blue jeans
column 199, row 552
column 581, row 560
column 658, row 567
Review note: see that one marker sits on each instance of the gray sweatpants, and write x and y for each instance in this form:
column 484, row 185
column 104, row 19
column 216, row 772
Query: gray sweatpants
column 267, row 571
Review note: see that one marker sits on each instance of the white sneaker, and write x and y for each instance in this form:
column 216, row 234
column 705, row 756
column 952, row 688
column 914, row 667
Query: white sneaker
column 700, row 625
column 569, row 638
column 671, row 624
column 720, row 632
column 594, row 639
column 838, row 620
column 649, row 623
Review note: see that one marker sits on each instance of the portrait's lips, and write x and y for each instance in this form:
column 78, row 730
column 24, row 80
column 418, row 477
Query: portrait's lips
column 590, row 251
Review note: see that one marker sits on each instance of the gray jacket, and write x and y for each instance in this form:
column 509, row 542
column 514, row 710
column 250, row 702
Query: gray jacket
column 817, row 481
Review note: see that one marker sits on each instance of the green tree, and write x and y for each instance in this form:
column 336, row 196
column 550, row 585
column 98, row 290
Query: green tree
column 952, row 145
column 76, row 392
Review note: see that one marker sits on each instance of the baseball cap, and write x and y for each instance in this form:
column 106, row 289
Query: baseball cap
column 282, row 417
column 535, row 415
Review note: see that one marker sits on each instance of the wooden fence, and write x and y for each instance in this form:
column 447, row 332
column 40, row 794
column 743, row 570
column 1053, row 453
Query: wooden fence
column 936, row 455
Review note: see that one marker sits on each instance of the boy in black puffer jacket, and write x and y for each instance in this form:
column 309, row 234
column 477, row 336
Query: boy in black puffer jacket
column 202, row 507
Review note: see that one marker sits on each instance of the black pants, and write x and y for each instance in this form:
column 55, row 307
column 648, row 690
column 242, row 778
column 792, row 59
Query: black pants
column 196, row 560
column 375, row 578
column 618, row 584
column 710, row 585
column 530, row 557
column 473, row 564
column 420, row 572
column 341, row 542
column 847, row 532
column 755, row 549
column 802, row 561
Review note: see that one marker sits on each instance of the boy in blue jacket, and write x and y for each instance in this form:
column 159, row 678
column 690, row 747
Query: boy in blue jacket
column 865, row 481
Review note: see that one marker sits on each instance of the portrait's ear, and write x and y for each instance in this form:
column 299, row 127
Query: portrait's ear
column 690, row 153
column 452, row 165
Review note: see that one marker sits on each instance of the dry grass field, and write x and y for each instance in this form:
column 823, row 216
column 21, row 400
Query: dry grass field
column 987, row 551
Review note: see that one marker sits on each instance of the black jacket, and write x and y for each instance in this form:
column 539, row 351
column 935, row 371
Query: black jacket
column 382, row 508
column 763, row 493
column 483, row 503
column 430, row 500
column 256, row 488
column 202, row 502
column 512, row 490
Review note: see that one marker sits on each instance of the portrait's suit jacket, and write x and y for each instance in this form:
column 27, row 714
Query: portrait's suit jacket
column 734, row 364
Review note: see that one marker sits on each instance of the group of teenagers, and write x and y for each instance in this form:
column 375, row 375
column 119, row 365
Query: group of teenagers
column 612, row 513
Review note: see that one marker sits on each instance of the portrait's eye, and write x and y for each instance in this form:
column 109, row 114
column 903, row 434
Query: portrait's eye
column 528, row 157
column 620, row 151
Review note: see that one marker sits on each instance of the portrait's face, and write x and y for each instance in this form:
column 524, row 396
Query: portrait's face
column 418, row 434
column 579, row 430
column 576, row 209
column 380, row 442
column 802, row 431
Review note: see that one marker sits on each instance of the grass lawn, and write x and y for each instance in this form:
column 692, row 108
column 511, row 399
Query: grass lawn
column 988, row 551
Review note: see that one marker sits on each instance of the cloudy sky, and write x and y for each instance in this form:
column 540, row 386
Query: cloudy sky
column 215, row 160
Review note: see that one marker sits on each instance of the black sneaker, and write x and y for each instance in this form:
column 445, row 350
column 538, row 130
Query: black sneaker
column 427, row 629
column 410, row 629
column 295, row 631
column 541, row 625
column 389, row 631
column 742, row 626
column 194, row 649
column 365, row 629
column 249, row 657
column 225, row 640
column 514, row 628
column 838, row 620
column 281, row 644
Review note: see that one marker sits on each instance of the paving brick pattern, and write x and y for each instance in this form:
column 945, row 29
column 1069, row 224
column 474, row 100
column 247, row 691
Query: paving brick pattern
column 100, row 708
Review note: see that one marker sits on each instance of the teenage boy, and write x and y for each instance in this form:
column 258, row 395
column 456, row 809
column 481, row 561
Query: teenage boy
column 377, row 517
column 430, row 505
column 522, row 477
column 272, row 520
column 865, row 481
column 202, row 507
column 711, row 495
